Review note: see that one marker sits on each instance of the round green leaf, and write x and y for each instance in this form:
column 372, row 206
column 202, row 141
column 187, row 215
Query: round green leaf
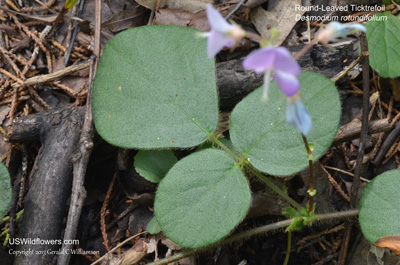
column 379, row 206
column 5, row 190
column 153, row 165
column 153, row 227
column 155, row 88
column 202, row 199
column 259, row 130
column 383, row 44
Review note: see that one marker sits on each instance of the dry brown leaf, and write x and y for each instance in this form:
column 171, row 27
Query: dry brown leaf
column 254, row 3
column 152, row 246
column 282, row 17
column 169, row 244
column 125, row 19
column 185, row 19
column 191, row 6
column 389, row 242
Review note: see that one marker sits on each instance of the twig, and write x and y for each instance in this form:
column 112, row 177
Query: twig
column 10, row 75
column 53, row 76
column 30, row 34
column 339, row 170
column 45, row 6
column 395, row 119
column 323, row 233
column 80, row 162
column 12, row 5
column 392, row 137
column 35, row 53
column 117, row 247
column 352, row 130
column 390, row 108
column 8, row 59
column 4, row 87
column 253, row 232
column 377, row 145
column 49, row 62
column 8, row 101
column 336, row 185
column 388, row 156
column 234, row 9
column 74, row 34
column 67, row 89
column 103, row 213
column 97, row 29
column 351, row 66
column 13, row 107
column 84, row 149
column 360, row 154
column 37, row 98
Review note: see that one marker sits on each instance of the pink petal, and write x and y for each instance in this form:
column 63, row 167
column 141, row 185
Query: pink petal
column 216, row 42
column 287, row 83
column 260, row 60
column 217, row 21
column 285, row 62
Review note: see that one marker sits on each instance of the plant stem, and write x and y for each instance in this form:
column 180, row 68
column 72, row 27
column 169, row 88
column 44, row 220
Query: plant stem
column 306, row 48
column 235, row 155
column 360, row 155
column 240, row 157
column 251, row 35
column 274, row 187
column 310, row 180
column 289, row 247
column 253, row 232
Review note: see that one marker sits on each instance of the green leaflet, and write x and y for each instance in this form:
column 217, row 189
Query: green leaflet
column 5, row 190
column 379, row 206
column 202, row 199
column 153, row 227
column 155, row 88
column 153, row 165
column 383, row 44
column 259, row 130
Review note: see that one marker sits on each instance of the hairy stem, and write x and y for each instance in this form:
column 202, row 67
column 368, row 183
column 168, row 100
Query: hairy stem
column 234, row 154
column 253, row 232
column 306, row 48
column 274, row 187
column 311, row 178
column 289, row 247
column 239, row 157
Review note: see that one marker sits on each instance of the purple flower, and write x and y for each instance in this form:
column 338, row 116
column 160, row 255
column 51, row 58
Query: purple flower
column 222, row 33
column 297, row 115
column 335, row 30
column 279, row 61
